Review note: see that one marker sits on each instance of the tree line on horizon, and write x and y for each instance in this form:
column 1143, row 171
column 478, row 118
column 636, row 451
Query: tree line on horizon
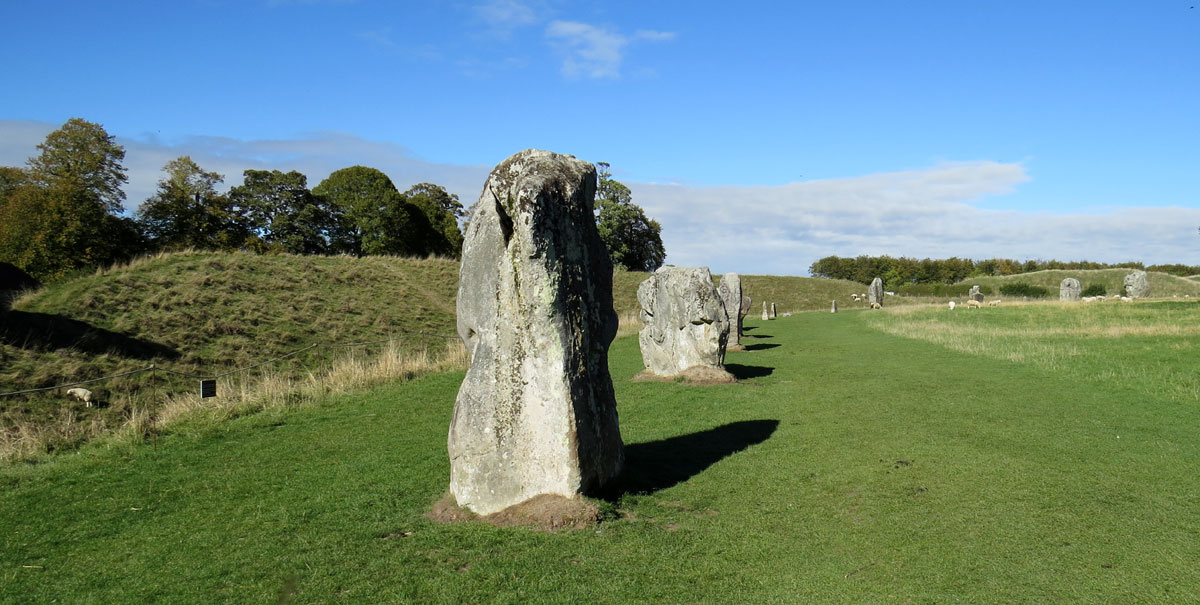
column 62, row 212
column 896, row 272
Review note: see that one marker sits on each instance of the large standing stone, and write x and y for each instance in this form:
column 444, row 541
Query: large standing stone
column 975, row 294
column 875, row 292
column 685, row 325
column 535, row 414
column 731, row 296
column 1070, row 290
column 766, row 315
column 774, row 313
column 1136, row 285
column 834, row 309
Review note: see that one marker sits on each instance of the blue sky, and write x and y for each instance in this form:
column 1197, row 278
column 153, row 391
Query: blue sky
column 762, row 136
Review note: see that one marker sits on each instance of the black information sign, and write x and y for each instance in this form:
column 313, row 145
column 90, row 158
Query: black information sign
column 208, row 388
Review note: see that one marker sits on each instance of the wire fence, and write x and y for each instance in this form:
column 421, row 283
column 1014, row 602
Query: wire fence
column 214, row 377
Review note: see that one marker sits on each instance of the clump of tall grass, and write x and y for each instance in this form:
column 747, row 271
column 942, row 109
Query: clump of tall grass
column 237, row 397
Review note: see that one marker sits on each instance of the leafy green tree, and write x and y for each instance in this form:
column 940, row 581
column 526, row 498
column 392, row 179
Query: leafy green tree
column 442, row 211
column 51, row 231
column 58, row 215
column 82, row 155
column 633, row 240
column 374, row 216
column 283, row 213
column 187, row 211
column 11, row 177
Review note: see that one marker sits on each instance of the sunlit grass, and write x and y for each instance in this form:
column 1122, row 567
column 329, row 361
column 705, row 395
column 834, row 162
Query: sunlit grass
column 849, row 465
column 1146, row 343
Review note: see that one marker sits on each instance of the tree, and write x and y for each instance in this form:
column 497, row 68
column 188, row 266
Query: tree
column 283, row 213
column 374, row 217
column 442, row 211
column 187, row 210
column 633, row 240
column 58, row 215
column 51, row 231
column 81, row 155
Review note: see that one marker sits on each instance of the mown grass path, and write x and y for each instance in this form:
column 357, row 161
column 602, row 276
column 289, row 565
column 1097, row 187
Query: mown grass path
column 847, row 466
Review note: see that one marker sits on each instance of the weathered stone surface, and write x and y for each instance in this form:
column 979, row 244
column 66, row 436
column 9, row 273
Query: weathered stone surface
column 774, row 314
column 731, row 296
column 766, row 314
column 1137, row 285
column 875, row 292
column 1070, row 290
column 975, row 294
column 834, row 309
column 684, row 322
column 535, row 414
column 746, row 302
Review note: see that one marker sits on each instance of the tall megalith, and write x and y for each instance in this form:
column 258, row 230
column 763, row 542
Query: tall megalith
column 1070, row 290
column 685, row 325
column 731, row 295
column 1137, row 285
column 536, row 413
column 875, row 292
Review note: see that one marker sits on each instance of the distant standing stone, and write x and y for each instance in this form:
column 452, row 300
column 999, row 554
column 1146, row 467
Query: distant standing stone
column 1070, row 290
column 685, row 325
column 766, row 315
column 743, row 312
column 773, row 314
column 834, row 309
column 1137, row 285
column 975, row 294
column 731, row 295
column 535, row 414
column 875, row 292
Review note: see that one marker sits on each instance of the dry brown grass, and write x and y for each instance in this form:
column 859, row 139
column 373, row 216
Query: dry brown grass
column 355, row 370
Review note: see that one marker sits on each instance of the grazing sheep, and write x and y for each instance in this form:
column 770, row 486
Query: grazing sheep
column 1126, row 299
column 876, row 305
column 951, row 305
column 83, row 395
column 974, row 304
column 994, row 303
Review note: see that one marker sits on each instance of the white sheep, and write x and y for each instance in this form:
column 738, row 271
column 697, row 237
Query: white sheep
column 994, row 303
column 951, row 305
column 1126, row 299
column 974, row 304
column 83, row 395
column 876, row 305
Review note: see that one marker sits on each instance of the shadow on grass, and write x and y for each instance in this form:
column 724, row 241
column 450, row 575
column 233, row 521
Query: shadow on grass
column 42, row 331
column 657, row 465
column 760, row 346
column 742, row 372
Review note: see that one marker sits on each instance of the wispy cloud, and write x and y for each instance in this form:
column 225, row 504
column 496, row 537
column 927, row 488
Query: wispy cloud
column 594, row 52
column 379, row 37
column 503, row 16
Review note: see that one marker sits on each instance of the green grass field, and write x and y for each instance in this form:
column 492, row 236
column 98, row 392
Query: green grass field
column 858, row 460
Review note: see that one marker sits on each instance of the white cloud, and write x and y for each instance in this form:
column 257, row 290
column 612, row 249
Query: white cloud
column 919, row 213
column 594, row 52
